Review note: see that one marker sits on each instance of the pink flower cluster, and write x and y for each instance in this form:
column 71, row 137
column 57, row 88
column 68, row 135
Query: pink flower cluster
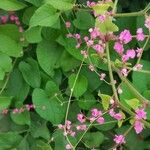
column 119, row 139
column 68, row 128
column 27, row 107
column 96, row 115
column 14, row 19
column 147, row 22
column 117, row 116
column 138, row 125
column 124, row 38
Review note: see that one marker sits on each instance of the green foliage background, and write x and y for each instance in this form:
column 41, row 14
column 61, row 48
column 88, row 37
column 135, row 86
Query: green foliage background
column 41, row 71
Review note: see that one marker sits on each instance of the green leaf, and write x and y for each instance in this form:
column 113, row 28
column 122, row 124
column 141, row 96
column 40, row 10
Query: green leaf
column 126, row 95
column 9, row 140
column 33, row 35
column 87, row 101
column 100, row 8
column 67, row 62
column 10, row 30
column 28, row 13
column 59, row 139
column 81, row 84
column 47, row 55
column 30, row 72
column 84, row 20
column 9, row 46
column 95, row 82
column 5, row 102
column 40, row 130
column 5, row 65
column 37, row 3
column 60, row 4
column 41, row 145
column 49, row 107
column 17, row 87
column 21, row 118
column 142, row 80
column 2, row 74
column 93, row 139
column 23, row 145
column 46, row 16
column 70, row 46
column 105, row 100
column 51, row 88
column 133, row 103
column 11, row 5
column 106, row 26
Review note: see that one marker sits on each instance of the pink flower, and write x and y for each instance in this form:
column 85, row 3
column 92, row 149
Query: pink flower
column 90, row 43
column 68, row 147
column 4, row 19
column 84, row 53
column 86, row 38
column 78, row 45
column 138, row 126
column 69, row 35
column 147, row 22
column 92, row 119
column 118, row 48
column 94, row 33
column 120, row 90
column 125, row 58
column 124, row 72
column 118, row 116
column 95, row 112
column 68, row 24
column 131, row 53
column 102, row 76
column 100, row 120
column 72, row 133
column 140, row 114
column 102, row 18
column 68, row 124
column 119, row 139
column 111, row 112
column 12, row 18
column 125, row 36
column 16, row 110
column 17, row 22
column 81, row 127
column 140, row 35
column 139, row 52
column 98, row 48
column 77, row 36
column 60, row 126
column 5, row 111
column 91, row 67
column 90, row 4
column 81, row 118
column 20, row 29
column 137, row 67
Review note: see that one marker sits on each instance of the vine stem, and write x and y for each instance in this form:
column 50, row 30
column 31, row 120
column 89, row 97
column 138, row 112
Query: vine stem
column 111, row 74
column 132, row 14
column 115, row 91
column 69, row 101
